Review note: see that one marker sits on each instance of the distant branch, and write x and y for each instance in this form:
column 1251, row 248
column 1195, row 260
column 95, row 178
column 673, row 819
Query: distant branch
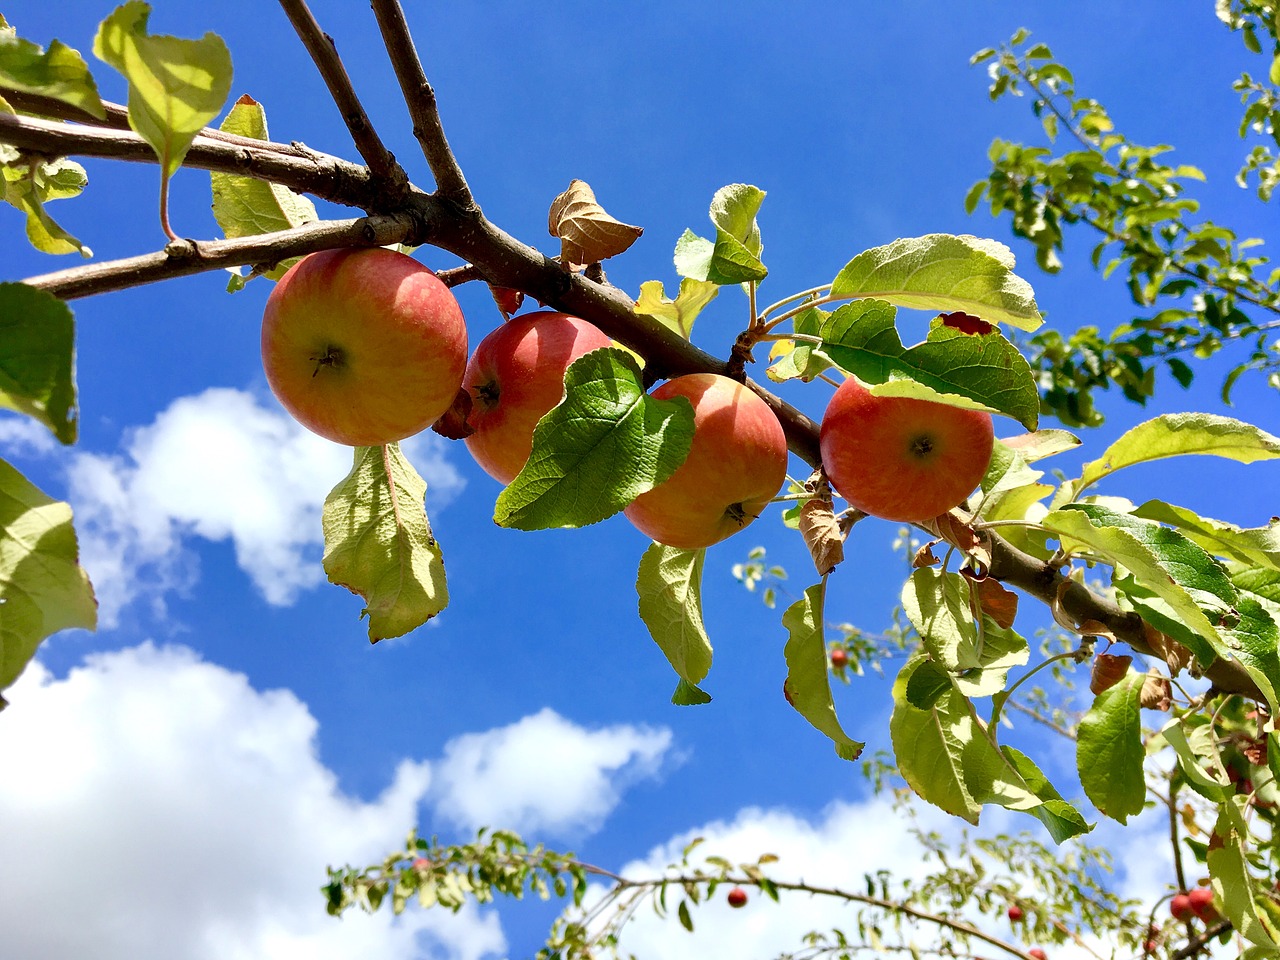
column 382, row 163
column 421, row 101
column 187, row 257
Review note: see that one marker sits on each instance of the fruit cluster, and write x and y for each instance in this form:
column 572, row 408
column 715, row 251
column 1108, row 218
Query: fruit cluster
column 367, row 346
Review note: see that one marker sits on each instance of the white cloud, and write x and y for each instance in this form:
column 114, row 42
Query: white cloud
column 155, row 806
column 221, row 466
column 23, row 436
column 544, row 774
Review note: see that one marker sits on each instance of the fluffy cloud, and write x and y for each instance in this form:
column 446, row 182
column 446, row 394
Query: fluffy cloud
column 544, row 774
column 221, row 466
column 157, row 806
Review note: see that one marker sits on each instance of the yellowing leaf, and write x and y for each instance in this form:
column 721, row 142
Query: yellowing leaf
column 378, row 542
column 58, row 72
column 587, row 233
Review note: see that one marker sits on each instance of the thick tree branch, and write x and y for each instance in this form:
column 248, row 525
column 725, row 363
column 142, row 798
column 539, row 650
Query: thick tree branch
column 420, row 98
column 296, row 166
column 187, row 257
column 382, row 163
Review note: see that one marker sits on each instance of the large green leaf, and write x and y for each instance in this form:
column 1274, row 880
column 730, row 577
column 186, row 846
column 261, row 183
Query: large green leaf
column 245, row 206
column 1061, row 819
column 734, row 255
column 943, row 273
column 37, row 358
column 1258, row 546
column 378, row 542
column 1234, row 886
column 58, row 72
column 1181, row 434
column 1194, row 585
column 1109, row 751
column 985, row 368
column 176, row 86
column 606, row 443
column 808, row 684
column 29, row 183
column 669, row 585
column 42, row 586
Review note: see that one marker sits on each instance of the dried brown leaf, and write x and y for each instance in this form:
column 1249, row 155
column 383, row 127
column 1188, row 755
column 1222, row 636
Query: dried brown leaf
column 1108, row 670
column 587, row 233
column 1173, row 653
column 967, row 540
column 821, row 531
column 925, row 557
column 997, row 602
column 1157, row 692
column 453, row 424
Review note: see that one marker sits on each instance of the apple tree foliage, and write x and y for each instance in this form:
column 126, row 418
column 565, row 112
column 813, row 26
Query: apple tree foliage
column 1197, row 598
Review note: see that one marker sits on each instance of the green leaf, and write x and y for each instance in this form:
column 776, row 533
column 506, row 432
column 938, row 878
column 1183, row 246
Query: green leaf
column 677, row 314
column 669, row 585
column 176, row 86
column 37, row 358
column 378, row 543
column 1180, row 434
column 1189, row 761
column 1194, row 585
column 937, row 604
column 42, row 586
column 245, row 206
column 927, row 684
column 1061, row 819
column 606, row 443
column 986, row 370
column 686, row 920
column 799, row 358
column 59, row 72
column 808, row 684
column 734, row 256
column 1258, row 546
column 943, row 273
column 28, row 185
column 1109, row 752
column 1233, row 884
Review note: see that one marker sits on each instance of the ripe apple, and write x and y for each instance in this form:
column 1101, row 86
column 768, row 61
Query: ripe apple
column 839, row 658
column 1180, row 907
column 1015, row 913
column 900, row 458
column 1037, row 953
column 1201, row 899
column 736, row 463
column 514, row 377
column 737, row 897
column 363, row 346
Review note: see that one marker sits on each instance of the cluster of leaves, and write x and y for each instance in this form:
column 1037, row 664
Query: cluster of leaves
column 1199, row 285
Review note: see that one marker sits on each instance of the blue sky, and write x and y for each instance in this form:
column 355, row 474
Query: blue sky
column 230, row 730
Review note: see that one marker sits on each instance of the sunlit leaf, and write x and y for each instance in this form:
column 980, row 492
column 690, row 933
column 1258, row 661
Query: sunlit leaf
column 1109, row 751
column 42, row 586
column 678, row 314
column 669, row 585
column 379, row 545
column 58, row 72
column 606, row 443
column 37, row 358
column 808, row 683
column 943, row 273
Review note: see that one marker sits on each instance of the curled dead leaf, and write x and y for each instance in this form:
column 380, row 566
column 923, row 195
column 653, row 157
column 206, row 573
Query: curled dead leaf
column 821, row 530
column 1108, row 670
column 973, row 544
column 996, row 601
column 586, row 232
column 925, row 557
column 1173, row 653
column 1157, row 692
column 453, row 424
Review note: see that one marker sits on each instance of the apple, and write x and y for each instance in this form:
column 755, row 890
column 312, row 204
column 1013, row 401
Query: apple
column 363, row 346
column 736, row 464
column 737, row 897
column 1201, row 899
column 514, row 377
column 1015, row 913
column 839, row 658
column 1180, row 907
column 1037, row 953
column 900, row 458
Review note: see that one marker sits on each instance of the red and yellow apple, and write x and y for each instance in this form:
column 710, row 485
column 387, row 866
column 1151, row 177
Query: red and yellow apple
column 736, row 464
column 363, row 346
column 514, row 377
column 901, row 458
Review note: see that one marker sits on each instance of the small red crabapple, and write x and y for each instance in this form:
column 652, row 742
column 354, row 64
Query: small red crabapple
column 1180, row 907
column 839, row 658
column 1015, row 913
column 737, row 897
column 1037, row 953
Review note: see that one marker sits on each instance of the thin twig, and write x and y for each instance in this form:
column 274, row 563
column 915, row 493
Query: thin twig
column 324, row 53
column 187, row 257
column 420, row 98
